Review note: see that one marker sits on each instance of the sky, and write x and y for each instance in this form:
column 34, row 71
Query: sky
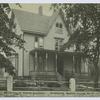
column 34, row 8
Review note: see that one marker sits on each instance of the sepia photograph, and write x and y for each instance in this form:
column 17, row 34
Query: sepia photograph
column 49, row 50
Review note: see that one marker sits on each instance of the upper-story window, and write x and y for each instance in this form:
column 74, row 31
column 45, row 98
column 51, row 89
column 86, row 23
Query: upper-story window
column 36, row 39
column 58, row 44
column 59, row 25
column 39, row 42
column 59, row 28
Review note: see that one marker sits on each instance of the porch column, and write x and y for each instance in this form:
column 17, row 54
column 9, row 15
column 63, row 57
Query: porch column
column 46, row 67
column 29, row 65
column 73, row 64
column 36, row 63
column 56, row 61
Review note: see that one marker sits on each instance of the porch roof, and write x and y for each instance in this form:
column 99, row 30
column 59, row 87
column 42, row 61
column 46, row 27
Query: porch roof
column 55, row 52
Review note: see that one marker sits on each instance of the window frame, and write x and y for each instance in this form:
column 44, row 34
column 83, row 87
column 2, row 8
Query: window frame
column 38, row 42
column 59, row 42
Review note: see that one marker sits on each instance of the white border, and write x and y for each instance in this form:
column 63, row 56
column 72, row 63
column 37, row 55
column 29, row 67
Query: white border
column 53, row 98
column 50, row 1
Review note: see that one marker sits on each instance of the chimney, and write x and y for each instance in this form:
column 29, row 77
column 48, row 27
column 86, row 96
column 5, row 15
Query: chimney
column 40, row 10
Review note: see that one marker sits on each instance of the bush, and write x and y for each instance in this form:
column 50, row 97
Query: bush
column 53, row 84
column 20, row 84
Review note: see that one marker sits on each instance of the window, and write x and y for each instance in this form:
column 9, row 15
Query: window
column 36, row 42
column 59, row 28
column 58, row 44
column 36, row 39
column 39, row 43
column 59, row 25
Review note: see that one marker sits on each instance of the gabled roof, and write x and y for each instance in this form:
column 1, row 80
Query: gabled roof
column 34, row 23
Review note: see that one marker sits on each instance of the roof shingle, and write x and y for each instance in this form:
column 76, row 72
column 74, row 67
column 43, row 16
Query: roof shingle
column 34, row 23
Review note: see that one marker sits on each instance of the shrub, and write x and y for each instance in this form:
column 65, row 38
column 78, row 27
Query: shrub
column 53, row 84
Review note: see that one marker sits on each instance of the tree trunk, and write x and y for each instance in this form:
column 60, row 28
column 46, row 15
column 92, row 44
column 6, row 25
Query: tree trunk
column 96, row 67
column 96, row 76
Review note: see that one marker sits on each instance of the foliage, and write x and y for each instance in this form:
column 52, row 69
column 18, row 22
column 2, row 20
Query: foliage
column 83, row 21
column 8, row 36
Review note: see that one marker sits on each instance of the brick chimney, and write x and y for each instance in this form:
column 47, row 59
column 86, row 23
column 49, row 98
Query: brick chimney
column 40, row 10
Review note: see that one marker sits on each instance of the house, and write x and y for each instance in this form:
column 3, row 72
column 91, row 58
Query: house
column 43, row 58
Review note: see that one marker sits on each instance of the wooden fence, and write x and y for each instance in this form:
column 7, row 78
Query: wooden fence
column 3, row 84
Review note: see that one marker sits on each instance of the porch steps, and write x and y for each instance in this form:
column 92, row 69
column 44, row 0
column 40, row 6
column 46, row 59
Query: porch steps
column 83, row 82
column 45, row 76
column 60, row 77
column 82, row 78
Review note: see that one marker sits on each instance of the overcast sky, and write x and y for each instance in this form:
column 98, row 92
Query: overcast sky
column 34, row 8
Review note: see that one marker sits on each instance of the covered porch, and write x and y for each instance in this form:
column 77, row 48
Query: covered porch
column 54, row 65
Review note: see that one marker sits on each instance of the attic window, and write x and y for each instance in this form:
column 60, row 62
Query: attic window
column 59, row 25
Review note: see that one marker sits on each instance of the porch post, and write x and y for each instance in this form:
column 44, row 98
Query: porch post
column 29, row 64
column 73, row 64
column 36, row 63
column 56, row 61
column 46, row 68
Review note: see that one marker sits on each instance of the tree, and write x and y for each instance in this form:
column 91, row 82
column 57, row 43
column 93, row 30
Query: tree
column 83, row 22
column 8, row 37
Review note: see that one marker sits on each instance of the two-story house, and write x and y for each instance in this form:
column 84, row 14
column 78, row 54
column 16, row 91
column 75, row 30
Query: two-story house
column 44, row 36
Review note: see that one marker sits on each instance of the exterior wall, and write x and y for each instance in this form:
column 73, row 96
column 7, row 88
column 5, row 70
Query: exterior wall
column 29, row 45
column 49, row 40
column 19, row 51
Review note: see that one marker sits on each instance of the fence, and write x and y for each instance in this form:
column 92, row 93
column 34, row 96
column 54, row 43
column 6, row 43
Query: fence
column 31, row 85
column 3, row 84
column 86, row 86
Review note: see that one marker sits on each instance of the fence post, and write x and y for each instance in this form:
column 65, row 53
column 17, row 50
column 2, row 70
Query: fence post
column 72, row 84
column 10, row 83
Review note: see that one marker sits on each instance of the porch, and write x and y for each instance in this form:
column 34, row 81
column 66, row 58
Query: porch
column 54, row 65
